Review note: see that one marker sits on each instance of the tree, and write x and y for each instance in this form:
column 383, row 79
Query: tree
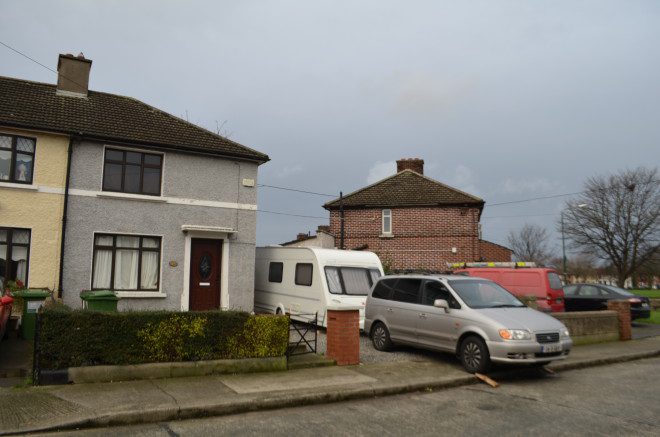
column 617, row 219
column 530, row 244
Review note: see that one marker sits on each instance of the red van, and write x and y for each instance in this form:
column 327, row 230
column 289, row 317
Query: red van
column 543, row 283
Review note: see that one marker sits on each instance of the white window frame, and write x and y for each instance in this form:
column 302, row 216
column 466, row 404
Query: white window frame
column 386, row 213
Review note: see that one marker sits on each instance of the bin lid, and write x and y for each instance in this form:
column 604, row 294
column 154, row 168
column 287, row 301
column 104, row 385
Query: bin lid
column 31, row 293
column 98, row 295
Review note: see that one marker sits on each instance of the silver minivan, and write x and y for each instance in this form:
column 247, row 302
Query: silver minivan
column 475, row 318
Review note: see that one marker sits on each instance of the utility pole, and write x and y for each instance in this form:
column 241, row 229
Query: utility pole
column 563, row 245
column 341, row 220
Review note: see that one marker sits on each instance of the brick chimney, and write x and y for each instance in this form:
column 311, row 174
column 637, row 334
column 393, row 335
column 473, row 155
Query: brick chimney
column 302, row 237
column 73, row 75
column 414, row 164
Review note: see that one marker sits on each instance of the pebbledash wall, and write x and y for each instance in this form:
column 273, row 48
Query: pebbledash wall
column 196, row 190
column 39, row 206
column 422, row 237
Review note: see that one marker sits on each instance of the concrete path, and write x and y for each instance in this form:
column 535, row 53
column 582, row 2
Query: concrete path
column 121, row 403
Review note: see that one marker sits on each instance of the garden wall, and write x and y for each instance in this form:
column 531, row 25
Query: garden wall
column 590, row 326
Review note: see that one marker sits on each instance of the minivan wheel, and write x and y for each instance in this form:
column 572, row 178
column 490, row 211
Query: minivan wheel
column 474, row 355
column 380, row 337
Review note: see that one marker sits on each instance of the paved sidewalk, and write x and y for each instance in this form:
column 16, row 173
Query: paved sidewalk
column 93, row 405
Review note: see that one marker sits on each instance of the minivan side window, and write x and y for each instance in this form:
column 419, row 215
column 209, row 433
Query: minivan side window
column 436, row 290
column 275, row 272
column 407, row 290
column 383, row 289
column 304, row 274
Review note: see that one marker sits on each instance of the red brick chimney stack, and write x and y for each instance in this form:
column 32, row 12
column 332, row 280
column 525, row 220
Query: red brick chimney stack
column 414, row 164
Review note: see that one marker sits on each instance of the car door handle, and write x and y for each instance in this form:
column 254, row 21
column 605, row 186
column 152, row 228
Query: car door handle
column 422, row 315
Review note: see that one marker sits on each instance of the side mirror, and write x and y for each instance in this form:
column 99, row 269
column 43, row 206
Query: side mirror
column 441, row 303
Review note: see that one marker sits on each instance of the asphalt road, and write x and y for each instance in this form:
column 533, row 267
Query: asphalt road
column 619, row 399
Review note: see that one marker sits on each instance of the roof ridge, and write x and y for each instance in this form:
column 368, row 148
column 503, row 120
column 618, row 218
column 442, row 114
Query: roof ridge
column 363, row 188
column 447, row 186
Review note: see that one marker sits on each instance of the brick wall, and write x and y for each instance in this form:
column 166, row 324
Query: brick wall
column 422, row 237
column 494, row 252
column 343, row 336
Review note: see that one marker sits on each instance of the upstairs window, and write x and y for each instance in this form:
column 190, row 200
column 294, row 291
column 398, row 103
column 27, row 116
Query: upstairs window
column 16, row 159
column 387, row 222
column 126, row 171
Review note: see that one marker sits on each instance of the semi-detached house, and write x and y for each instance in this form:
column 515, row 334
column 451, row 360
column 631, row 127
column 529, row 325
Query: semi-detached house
column 149, row 205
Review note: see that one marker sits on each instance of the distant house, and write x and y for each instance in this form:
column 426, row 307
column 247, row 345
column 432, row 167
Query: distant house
column 149, row 205
column 323, row 239
column 414, row 222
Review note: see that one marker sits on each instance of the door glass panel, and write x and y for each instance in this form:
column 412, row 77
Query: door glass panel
column 407, row 290
column 151, row 180
column 205, row 267
column 3, row 237
column 25, row 145
column 23, row 171
column 5, row 165
column 112, row 177
column 132, row 179
column 303, row 274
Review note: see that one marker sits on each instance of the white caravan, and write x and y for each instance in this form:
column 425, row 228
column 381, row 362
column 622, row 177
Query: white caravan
column 306, row 280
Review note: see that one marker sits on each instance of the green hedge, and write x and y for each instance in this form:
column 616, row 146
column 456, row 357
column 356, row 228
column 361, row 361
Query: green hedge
column 88, row 338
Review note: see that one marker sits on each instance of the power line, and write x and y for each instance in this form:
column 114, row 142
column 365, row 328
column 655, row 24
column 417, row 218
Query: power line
column 518, row 215
column 39, row 63
column 535, row 198
column 291, row 215
column 296, row 190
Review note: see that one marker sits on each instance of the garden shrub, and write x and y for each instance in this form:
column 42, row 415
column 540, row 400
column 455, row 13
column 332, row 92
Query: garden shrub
column 72, row 338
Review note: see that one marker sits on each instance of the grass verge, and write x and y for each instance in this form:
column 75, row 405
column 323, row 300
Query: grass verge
column 654, row 319
column 653, row 294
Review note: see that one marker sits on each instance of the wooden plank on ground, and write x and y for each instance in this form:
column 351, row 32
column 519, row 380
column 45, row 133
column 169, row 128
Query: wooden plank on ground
column 487, row 380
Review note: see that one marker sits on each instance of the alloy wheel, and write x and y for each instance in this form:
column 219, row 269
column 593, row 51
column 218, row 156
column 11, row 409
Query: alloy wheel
column 472, row 355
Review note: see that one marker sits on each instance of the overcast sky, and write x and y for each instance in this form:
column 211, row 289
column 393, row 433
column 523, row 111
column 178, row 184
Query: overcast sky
column 506, row 100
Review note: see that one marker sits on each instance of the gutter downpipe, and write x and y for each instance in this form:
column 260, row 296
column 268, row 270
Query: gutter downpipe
column 64, row 215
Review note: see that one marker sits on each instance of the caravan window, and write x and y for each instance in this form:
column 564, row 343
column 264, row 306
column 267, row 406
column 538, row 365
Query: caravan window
column 275, row 272
column 304, row 274
column 350, row 280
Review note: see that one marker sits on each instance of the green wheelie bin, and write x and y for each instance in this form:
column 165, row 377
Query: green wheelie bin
column 32, row 301
column 99, row 300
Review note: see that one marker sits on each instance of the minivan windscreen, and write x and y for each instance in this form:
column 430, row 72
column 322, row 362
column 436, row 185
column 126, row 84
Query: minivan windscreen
column 353, row 281
column 478, row 293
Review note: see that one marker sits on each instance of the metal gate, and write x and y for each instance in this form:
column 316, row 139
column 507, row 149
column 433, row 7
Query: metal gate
column 303, row 334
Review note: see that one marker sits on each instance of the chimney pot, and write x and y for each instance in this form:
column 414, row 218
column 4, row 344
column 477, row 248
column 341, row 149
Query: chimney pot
column 73, row 74
column 414, row 164
column 301, row 237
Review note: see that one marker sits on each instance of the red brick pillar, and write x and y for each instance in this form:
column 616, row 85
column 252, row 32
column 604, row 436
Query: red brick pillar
column 343, row 335
column 622, row 307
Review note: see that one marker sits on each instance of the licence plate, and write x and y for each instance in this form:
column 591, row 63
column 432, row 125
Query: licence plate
column 548, row 348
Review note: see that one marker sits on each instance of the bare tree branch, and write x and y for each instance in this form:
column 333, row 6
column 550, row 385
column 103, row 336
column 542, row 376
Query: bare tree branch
column 617, row 219
column 530, row 244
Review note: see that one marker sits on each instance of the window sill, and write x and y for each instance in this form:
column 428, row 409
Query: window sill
column 386, row 235
column 141, row 294
column 128, row 196
column 29, row 187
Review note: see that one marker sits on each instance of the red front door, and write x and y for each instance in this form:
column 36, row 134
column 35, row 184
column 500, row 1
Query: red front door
column 205, row 264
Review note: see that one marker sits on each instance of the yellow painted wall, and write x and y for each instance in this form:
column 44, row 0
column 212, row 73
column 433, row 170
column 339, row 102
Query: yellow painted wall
column 40, row 210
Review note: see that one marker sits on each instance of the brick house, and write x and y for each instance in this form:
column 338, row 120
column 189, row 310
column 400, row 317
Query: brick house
column 414, row 222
